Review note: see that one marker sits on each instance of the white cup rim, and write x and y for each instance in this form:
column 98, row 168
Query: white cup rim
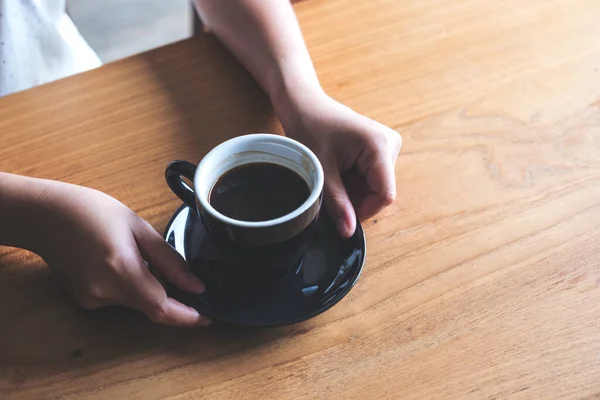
column 314, row 196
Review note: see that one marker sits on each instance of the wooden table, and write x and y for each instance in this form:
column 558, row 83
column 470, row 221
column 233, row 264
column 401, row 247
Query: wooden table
column 482, row 281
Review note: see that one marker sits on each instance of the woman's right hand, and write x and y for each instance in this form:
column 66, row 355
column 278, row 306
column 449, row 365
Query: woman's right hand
column 102, row 251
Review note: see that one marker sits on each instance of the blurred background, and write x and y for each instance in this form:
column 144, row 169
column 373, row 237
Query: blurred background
column 117, row 29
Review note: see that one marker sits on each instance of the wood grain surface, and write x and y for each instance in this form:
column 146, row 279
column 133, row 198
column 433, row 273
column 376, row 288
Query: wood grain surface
column 482, row 280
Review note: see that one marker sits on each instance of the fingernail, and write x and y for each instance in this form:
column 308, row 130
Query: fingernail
column 199, row 286
column 202, row 320
column 341, row 226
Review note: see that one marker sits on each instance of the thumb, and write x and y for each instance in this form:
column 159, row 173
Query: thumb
column 338, row 204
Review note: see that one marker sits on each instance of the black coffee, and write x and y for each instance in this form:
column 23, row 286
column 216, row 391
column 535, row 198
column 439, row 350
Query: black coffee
column 258, row 192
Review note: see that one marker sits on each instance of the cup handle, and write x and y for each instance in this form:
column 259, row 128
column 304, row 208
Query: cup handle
column 174, row 175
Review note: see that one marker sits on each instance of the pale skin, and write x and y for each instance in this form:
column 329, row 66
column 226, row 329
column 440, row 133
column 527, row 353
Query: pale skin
column 104, row 249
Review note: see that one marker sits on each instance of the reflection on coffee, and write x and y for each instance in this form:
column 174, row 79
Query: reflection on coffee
column 258, row 192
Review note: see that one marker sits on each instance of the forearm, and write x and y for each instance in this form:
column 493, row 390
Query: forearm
column 21, row 210
column 265, row 36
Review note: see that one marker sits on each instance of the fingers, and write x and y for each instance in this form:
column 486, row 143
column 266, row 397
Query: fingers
column 146, row 294
column 173, row 313
column 128, row 282
column 338, row 204
column 380, row 179
column 158, row 253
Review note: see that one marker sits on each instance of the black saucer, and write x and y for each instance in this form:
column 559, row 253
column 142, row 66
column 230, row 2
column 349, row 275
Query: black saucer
column 328, row 270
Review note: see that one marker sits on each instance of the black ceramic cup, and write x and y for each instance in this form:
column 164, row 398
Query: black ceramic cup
column 260, row 250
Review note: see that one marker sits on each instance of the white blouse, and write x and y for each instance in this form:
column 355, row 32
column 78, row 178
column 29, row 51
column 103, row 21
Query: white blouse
column 39, row 43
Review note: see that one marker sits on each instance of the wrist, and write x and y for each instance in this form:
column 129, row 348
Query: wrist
column 19, row 196
column 25, row 210
column 293, row 94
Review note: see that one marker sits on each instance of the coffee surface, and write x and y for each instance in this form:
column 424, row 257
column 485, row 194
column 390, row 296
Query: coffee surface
column 258, row 192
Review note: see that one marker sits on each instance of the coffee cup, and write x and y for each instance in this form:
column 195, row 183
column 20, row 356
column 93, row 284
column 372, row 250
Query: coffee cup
column 259, row 198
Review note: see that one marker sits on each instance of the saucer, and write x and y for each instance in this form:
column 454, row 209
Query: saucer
column 326, row 273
